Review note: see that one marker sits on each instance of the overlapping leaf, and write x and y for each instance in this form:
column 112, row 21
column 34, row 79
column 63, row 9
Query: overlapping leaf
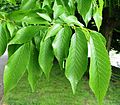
column 100, row 70
column 46, row 56
column 25, row 34
column 61, row 44
column 76, row 63
column 16, row 67
column 34, row 70
column 53, row 30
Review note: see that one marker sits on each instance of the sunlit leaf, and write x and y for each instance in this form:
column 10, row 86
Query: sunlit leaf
column 61, row 44
column 76, row 63
column 100, row 69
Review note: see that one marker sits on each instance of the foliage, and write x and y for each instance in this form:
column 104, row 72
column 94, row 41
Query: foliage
column 37, row 31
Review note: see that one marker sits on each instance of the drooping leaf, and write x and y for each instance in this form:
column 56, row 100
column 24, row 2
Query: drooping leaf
column 34, row 70
column 53, row 30
column 76, row 63
column 85, row 9
column 61, row 44
column 25, row 34
column 100, row 70
column 38, row 38
column 97, row 13
column 16, row 67
column 46, row 56
column 45, row 16
column 3, row 39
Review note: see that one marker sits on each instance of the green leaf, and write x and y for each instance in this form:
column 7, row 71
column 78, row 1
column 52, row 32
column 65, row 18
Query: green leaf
column 53, row 30
column 16, row 67
column 3, row 39
column 97, row 13
column 12, row 1
column 76, row 63
column 100, row 68
column 12, row 48
column 34, row 70
column 72, row 20
column 46, row 56
column 28, row 4
column 35, row 20
column 61, row 44
column 45, row 16
column 85, row 9
column 58, row 11
column 25, row 34
column 11, row 28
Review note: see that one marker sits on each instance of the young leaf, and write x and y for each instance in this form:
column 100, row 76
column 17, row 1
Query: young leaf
column 44, row 16
column 46, row 56
column 34, row 70
column 53, row 30
column 3, row 39
column 100, row 70
column 61, row 44
column 25, row 34
column 76, row 63
column 16, row 67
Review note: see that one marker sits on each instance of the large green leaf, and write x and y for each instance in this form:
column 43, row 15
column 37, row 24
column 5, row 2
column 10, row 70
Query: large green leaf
column 34, row 70
column 25, row 34
column 16, row 67
column 100, row 68
column 3, row 39
column 46, row 56
column 61, row 44
column 53, row 30
column 76, row 63
column 85, row 9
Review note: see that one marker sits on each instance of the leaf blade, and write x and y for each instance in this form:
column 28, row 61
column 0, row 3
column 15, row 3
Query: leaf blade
column 100, row 68
column 77, row 58
column 16, row 67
